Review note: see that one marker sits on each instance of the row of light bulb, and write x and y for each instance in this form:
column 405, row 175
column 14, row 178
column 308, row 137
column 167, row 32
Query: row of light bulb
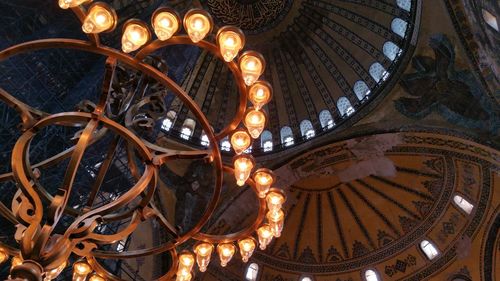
column 203, row 250
column 81, row 269
column 166, row 22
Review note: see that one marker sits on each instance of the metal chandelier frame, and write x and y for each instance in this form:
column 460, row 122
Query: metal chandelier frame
column 43, row 251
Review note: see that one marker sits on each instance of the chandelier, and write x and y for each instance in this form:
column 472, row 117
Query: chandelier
column 41, row 252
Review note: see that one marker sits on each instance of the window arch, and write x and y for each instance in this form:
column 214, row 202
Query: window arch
column 404, row 4
column 287, row 136
column 168, row 122
column 429, row 249
column 225, row 145
column 371, row 275
column 306, row 279
column 345, row 107
column 391, row 50
column 361, row 89
column 490, row 19
column 187, row 128
column 266, row 141
column 399, row 27
column 204, row 139
column 378, row 72
column 326, row 120
column 463, row 204
column 252, row 272
column 307, row 129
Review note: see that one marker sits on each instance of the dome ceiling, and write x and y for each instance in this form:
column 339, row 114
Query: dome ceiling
column 325, row 59
column 369, row 202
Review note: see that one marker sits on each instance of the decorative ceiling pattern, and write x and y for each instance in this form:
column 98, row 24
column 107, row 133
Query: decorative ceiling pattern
column 338, row 223
column 325, row 59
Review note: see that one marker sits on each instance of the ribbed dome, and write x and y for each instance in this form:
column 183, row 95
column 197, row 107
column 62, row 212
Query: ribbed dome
column 325, row 59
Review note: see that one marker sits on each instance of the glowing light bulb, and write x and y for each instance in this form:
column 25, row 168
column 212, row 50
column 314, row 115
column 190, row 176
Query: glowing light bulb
column 265, row 234
column 254, row 120
column 96, row 277
column 186, row 261
column 4, row 256
column 66, row 4
column 252, row 65
column 100, row 18
column 198, row 24
column 226, row 252
column 165, row 23
column 276, row 222
column 240, row 141
column 203, row 252
column 230, row 40
column 275, row 200
column 80, row 270
column 243, row 165
column 263, row 178
column 16, row 260
column 135, row 35
column 247, row 247
column 183, row 275
column 260, row 94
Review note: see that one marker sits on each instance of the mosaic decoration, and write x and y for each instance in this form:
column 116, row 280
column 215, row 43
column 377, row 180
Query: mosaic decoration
column 436, row 85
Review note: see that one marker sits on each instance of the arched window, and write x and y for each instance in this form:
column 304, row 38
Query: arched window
column 225, row 145
column 377, row 71
column 169, row 121
column 404, row 4
column 429, row 249
column 391, row 50
column 287, row 136
column 306, row 279
column 187, row 128
column 399, row 26
column 371, row 275
column 252, row 272
column 266, row 141
column 326, row 120
column 490, row 19
column 166, row 124
column 345, row 107
column 463, row 204
column 204, row 139
column 361, row 89
column 307, row 129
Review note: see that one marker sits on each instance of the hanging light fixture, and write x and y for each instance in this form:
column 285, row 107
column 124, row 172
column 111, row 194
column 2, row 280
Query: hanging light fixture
column 263, row 179
column 240, row 141
column 260, row 94
column 230, row 40
column 243, row 166
column 165, row 22
column 135, row 35
column 84, row 235
column 252, row 65
column 66, row 4
column 198, row 23
column 100, row 18
column 4, row 256
column 247, row 246
column 265, row 234
column 226, row 252
column 80, row 270
column 203, row 253
column 255, row 121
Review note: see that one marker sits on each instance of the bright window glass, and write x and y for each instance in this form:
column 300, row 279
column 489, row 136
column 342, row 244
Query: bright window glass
column 429, row 249
column 252, row 272
column 463, row 204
